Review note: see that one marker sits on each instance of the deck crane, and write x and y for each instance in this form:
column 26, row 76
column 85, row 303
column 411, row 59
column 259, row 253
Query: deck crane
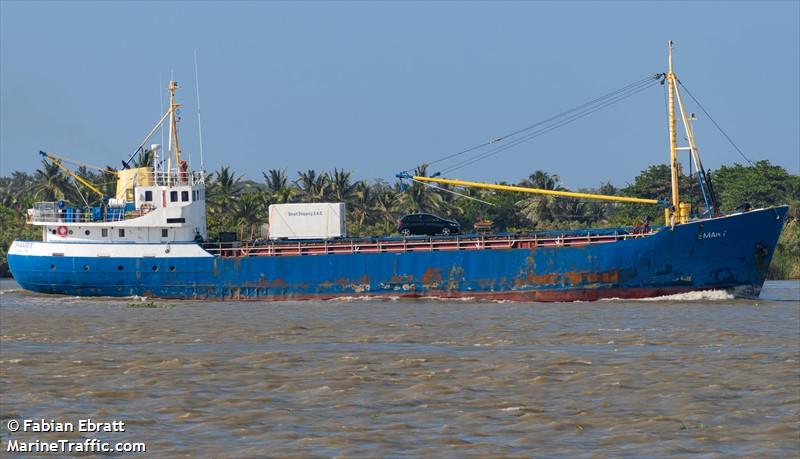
column 522, row 189
column 58, row 161
column 565, row 194
column 675, row 210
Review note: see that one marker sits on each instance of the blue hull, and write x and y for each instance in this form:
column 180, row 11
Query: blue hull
column 723, row 253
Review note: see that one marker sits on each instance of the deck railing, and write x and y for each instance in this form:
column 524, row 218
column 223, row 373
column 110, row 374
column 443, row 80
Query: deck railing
column 178, row 178
column 416, row 244
column 172, row 178
column 50, row 212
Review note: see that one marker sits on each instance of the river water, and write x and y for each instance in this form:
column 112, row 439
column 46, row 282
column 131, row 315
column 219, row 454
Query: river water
column 696, row 375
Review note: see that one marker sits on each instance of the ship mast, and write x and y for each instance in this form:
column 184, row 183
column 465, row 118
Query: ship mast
column 673, row 135
column 681, row 210
column 675, row 211
column 173, row 131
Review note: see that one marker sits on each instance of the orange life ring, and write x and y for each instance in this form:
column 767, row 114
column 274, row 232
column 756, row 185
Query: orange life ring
column 62, row 231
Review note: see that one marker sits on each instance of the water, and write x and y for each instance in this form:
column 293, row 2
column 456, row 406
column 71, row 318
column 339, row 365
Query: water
column 697, row 375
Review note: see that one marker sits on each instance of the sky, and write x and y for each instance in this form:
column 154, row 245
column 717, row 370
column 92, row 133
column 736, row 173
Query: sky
column 379, row 87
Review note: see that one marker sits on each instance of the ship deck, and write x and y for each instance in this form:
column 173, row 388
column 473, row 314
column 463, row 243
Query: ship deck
column 501, row 241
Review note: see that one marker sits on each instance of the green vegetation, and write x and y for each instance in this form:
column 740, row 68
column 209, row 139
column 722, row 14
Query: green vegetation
column 786, row 261
column 240, row 206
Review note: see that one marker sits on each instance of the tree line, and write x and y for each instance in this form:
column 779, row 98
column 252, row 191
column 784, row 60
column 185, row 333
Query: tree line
column 236, row 204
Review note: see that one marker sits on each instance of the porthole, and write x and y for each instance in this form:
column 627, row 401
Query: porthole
column 52, row 267
column 155, row 268
column 52, row 231
column 172, row 268
column 85, row 267
column 120, row 268
column 87, row 232
column 70, row 231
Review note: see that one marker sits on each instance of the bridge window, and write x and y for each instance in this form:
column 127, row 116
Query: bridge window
column 164, row 232
column 148, row 196
column 173, row 196
column 184, row 196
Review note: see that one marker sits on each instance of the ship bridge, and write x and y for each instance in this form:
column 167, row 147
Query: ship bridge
column 160, row 202
column 151, row 207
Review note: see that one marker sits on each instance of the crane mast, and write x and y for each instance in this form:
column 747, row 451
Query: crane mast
column 675, row 211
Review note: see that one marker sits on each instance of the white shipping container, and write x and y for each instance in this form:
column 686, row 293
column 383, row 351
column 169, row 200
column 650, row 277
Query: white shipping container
column 319, row 220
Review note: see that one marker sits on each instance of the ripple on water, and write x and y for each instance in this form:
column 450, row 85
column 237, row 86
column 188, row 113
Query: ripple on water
column 679, row 376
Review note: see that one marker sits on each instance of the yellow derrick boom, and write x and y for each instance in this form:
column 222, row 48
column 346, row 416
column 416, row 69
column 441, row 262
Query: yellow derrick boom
column 60, row 164
column 521, row 189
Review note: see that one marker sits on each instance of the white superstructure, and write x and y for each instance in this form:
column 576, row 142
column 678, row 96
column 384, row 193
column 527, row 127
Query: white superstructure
column 152, row 204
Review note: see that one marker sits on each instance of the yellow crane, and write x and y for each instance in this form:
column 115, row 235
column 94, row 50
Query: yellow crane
column 522, row 189
column 59, row 162
column 675, row 211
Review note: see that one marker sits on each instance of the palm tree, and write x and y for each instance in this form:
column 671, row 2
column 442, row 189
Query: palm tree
column 452, row 204
column 361, row 205
column 248, row 211
column 540, row 208
column 278, row 186
column 276, row 179
column 285, row 195
column 313, row 187
column 82, row 192
column 572, row 210
column 144, row 159
column 21, row 182
column 223, row 189
column 386, row 206
column 227, row 184
column 109, row 183
column 50, row 182
column 266, row 199
column 340, row 187
column 15, row 189
column 597, row 211
column 419, row 197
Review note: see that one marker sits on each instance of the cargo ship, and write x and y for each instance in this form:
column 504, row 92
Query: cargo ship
column 149, row 240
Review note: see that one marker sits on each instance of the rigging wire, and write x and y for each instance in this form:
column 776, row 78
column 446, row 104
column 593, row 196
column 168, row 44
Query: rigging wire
column 544, row 130
column 430, row 185
column 574, row 117
column 715, row 123
column 78, row 163
column 79, row 193
column 630, row 87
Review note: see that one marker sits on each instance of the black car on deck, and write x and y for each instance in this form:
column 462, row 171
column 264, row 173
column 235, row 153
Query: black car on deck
column 426, row 224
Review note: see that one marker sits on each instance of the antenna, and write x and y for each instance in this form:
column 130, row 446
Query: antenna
column 156, row 164
column 199, row 124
